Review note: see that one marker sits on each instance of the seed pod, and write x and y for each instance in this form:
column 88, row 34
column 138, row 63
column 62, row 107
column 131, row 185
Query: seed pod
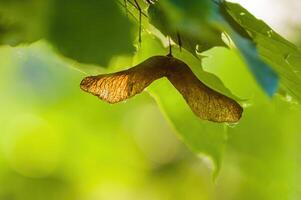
column 203, row 101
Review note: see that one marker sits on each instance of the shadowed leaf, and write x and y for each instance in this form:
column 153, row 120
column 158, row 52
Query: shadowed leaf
column 80, row 30
column 184, row 32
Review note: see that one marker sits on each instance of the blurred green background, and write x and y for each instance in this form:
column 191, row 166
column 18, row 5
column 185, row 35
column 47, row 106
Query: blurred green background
column 59, row 143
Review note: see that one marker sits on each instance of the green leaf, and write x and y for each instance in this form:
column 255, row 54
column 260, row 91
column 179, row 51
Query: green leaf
column 262, row 72
column 90, row 31
column 22, row 21
column 196, row 31
column 178, row 23
column 203, row 137
column 283, row 56
column 152, row 46
column 265, row 76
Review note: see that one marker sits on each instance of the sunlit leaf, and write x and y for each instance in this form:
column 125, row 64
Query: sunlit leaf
column 203, row 137
column 263, row 73
column 283, row 56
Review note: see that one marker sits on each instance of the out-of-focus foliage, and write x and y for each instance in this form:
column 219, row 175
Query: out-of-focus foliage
column 57, row 142
column 87, row 31
column 80, row 30
column 22, row 21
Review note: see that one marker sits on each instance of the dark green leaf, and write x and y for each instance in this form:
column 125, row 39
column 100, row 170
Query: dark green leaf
column 90, row 31
column 182, row 27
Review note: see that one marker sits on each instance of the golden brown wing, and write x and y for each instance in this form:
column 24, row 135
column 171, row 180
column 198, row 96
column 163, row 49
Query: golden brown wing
column 204, row 102
column 119, row 86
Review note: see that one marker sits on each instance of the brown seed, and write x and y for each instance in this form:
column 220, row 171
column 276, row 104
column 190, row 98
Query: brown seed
column 204, row 102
